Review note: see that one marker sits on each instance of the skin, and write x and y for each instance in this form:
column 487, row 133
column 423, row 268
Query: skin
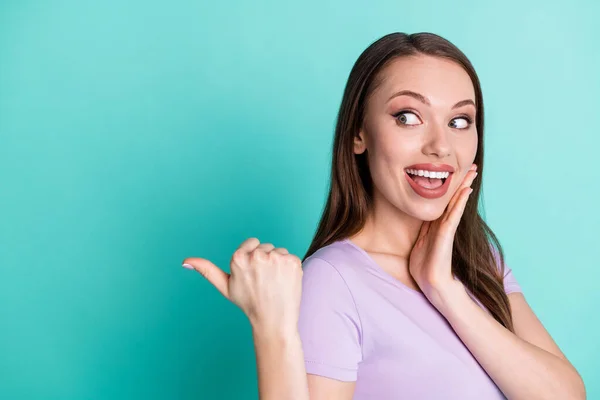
column 411, row 238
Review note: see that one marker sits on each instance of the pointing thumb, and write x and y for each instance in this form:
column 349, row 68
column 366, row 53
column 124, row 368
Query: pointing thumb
column 212, row 273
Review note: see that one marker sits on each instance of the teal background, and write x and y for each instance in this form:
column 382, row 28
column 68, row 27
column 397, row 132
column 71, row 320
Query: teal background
column 135, row 134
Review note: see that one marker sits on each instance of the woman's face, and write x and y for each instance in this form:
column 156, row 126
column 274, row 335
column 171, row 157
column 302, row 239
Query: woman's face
column 433, row 122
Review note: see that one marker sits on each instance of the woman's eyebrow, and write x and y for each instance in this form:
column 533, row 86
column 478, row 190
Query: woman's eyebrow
column 425, row 100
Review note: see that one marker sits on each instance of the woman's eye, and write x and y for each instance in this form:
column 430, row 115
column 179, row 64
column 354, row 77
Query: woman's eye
column 461, row 125
column 407, row 118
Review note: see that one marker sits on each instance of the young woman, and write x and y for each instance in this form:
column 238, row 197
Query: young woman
column 403, row 293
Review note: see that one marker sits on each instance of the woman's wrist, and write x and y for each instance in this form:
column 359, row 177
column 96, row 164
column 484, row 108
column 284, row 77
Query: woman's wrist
column 447, row 297
column 280, row 333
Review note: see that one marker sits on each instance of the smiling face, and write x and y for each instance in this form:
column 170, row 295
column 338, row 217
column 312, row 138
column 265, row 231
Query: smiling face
column 422, row 113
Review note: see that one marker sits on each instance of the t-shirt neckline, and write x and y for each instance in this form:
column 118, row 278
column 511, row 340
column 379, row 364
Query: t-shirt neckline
column 379, row 269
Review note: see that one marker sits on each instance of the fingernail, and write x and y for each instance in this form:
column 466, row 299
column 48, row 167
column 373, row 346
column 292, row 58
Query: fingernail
column 470, row 190
column 188, row 266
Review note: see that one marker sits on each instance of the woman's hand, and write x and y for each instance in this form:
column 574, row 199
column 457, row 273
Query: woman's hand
column 265, row 282
column 430, row 261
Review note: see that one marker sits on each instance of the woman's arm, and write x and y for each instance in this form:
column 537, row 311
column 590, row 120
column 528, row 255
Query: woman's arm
column 280, row 366
column 526, row 365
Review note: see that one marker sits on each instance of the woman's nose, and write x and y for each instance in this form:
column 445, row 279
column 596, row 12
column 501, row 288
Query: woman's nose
column 437, row 141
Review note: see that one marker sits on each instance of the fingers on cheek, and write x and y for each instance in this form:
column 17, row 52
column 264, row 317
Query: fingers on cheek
column 467, row 191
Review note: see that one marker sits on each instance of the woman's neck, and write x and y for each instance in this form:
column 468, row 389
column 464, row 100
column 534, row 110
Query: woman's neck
column 388, row 230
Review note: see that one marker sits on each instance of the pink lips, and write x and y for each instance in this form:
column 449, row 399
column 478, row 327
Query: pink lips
column 429, row 193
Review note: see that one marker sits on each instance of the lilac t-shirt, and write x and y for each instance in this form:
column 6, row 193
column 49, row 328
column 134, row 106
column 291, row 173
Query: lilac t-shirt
column 358, row 323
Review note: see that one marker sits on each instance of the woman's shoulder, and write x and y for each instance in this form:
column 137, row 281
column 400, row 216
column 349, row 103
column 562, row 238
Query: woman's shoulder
column 329, row 284
column 338, row 255
column 338, row 265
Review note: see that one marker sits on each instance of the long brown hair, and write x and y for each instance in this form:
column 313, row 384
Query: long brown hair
column 478, row 265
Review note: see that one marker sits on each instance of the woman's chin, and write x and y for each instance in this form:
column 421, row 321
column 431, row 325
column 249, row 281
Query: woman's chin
column 427, row 218
column 428, row 213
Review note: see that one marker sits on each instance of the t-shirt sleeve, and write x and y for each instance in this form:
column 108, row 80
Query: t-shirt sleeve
column 510, row 282
column 329, row 325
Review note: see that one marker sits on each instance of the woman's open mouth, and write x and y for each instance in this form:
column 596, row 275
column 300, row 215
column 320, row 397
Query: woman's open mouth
column 428, row 184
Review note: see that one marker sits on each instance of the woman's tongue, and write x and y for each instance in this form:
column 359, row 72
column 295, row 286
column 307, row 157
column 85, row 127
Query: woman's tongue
column 429, row 183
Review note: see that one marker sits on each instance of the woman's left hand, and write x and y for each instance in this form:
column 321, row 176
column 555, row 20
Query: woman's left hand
column 430, row 261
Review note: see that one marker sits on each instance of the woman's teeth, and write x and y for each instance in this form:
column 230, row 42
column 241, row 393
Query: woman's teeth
column 428, row 174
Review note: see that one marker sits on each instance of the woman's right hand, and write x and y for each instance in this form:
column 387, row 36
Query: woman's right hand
column 265, row 282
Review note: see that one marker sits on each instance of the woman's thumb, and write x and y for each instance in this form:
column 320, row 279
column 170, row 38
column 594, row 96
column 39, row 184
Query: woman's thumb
column 212, row 273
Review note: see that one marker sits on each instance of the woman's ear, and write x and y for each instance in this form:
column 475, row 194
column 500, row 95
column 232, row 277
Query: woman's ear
column 360, row 145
